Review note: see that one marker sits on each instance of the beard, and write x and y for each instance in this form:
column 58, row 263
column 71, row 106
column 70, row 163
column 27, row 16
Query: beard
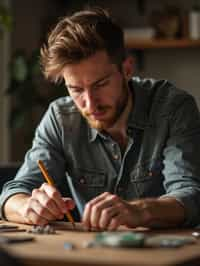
column 115, row 111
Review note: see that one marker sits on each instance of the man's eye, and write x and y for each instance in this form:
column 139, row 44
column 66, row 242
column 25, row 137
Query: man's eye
column 76, row 91
column 103, row 83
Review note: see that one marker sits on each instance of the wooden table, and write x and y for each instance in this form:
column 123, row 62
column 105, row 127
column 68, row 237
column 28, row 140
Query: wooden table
column 49, row 250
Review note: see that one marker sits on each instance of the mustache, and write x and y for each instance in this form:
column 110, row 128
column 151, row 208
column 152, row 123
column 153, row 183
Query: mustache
column 98, row 109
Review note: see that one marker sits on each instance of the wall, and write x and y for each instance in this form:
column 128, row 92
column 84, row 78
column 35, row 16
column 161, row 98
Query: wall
column 181, row 66
column 31, row 21
column 4, row 100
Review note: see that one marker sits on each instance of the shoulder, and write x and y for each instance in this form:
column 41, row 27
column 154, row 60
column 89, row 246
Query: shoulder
column 63, row 109
column 63, row 105
column 61, row 112
column 161, row 94
column 161, row 88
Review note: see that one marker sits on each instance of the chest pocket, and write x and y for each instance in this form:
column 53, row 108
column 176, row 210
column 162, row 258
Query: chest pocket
column 147, row 179
column 89, row 183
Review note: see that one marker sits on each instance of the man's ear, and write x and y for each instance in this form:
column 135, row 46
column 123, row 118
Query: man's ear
column 128, row 66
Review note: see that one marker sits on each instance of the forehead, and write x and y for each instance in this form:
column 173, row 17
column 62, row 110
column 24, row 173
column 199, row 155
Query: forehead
column 88, row 70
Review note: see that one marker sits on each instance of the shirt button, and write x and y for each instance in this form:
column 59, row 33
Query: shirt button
column 113, row 146
column 82, row 181
column 116, row 156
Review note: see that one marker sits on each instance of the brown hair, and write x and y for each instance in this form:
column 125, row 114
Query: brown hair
column 78, row 37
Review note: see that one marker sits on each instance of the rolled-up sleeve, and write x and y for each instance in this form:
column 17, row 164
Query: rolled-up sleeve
column 47, row 147
column 182, row 159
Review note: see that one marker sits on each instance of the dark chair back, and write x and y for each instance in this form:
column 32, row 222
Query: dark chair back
column 7, row 172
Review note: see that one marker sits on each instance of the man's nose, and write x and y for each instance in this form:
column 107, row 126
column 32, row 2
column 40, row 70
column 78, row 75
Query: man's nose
column 90, row 101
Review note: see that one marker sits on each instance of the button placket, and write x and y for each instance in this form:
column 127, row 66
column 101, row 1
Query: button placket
column 119, row 188
column 115, row 151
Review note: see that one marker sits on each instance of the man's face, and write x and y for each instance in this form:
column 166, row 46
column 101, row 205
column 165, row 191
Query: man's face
column 98, row 89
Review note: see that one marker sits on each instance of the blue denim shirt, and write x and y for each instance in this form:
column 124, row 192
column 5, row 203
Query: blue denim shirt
column 161, row 158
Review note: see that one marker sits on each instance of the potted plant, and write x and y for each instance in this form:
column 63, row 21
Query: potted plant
column 30, row 93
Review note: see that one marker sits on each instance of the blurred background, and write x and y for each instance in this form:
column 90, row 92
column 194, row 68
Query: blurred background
column 163, row 38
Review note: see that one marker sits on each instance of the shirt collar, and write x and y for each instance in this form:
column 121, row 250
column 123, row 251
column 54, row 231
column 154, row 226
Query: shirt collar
column 139, row 117
column 92, row 134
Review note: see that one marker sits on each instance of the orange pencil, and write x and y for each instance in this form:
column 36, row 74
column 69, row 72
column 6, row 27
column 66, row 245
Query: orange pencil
column 49, row 180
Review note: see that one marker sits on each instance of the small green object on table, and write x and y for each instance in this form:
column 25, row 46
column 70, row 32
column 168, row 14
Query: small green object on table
column 120, row 239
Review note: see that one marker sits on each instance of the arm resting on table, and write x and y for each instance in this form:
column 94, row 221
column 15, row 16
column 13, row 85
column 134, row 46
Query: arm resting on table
column 13, row 208
column 162, row 212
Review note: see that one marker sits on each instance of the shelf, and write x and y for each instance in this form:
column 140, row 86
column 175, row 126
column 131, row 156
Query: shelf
column 141, row 44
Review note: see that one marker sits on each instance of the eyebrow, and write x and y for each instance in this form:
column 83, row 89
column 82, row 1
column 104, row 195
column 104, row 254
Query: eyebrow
column 92, row 84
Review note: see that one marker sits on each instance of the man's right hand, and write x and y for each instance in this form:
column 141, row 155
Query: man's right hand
column 45, row 204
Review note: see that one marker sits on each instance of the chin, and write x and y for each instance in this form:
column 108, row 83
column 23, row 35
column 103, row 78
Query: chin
column 101, row 125
column 97, row 125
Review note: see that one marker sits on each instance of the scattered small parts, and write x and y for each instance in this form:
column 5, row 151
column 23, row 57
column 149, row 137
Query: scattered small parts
column 46, row 230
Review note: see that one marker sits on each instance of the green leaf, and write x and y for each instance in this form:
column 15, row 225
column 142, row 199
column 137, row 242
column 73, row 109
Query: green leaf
column 6, row 20
column 19, row 68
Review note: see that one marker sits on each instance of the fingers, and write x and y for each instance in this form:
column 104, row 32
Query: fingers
column 35, row 213
column 91, row 212
column 107, row 216
column 69, row 203
column 115, row 222
column 103, row 212
column 46, row 204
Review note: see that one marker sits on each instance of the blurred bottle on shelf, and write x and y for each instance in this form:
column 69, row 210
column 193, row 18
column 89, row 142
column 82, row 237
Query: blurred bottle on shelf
column 194, row 22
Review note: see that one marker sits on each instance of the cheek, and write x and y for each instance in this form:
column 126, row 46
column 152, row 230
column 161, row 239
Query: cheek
column 78, row 102
column 116, row 93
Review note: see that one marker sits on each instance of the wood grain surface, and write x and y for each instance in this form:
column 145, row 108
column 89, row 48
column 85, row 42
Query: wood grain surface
column 49, row 249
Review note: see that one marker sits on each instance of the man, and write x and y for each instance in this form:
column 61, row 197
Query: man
column 127, row 148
